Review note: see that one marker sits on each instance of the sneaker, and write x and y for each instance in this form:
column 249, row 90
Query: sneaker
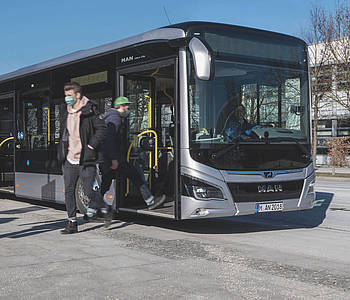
column 107, row 215
column 158, row 201
column 91, row 215
column 71, row 227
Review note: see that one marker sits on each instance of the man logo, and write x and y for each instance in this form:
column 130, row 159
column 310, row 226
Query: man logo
column 270, row 188
column 126, row 59
column 269, row 174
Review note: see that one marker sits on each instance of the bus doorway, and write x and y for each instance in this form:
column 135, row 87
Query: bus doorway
column 7, row 136
column 149, row 137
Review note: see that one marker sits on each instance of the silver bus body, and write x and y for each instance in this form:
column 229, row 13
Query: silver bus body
column 265, row 186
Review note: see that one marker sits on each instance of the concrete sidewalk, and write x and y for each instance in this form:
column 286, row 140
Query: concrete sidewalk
column 151, row 258
column 37, row 262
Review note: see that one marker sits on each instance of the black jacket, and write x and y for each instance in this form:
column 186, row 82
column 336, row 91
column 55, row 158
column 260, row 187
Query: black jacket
column 92, row 132
column 112, row 146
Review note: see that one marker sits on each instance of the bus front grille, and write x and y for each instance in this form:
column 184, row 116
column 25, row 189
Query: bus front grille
column 265, row 191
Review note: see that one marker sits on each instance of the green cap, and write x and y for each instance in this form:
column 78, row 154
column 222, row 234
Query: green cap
column 121, row 100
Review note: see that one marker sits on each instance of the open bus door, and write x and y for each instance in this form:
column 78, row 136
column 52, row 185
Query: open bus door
column 7, row 139
column 150, row 142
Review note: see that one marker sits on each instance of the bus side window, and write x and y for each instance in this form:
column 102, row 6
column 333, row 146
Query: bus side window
column 36, row 120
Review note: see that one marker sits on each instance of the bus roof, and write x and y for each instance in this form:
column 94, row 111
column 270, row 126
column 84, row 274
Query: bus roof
column 170, row 32
column 193, row 25
column 156, row 34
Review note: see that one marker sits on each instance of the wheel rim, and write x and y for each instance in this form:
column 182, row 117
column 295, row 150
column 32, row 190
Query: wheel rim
column 82, row 197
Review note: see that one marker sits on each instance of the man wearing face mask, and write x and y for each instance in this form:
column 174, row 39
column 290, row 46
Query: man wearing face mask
column 81, row 134
column 114, row 159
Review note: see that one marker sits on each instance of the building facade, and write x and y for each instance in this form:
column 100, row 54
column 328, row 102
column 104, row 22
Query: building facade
column 330, row 73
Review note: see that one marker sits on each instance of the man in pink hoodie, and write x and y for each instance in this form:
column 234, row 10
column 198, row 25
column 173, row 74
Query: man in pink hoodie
column 82, row 132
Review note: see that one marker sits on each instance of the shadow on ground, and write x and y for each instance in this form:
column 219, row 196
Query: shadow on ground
column 37, row 228
column 243, row 224
column 46, row 225
column 240, row 224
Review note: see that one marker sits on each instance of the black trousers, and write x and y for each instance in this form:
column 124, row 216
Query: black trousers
column 70, row 176
column 126, row 169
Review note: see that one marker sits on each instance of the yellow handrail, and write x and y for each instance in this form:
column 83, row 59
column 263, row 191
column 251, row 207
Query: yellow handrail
column 149, row 111
column 5, row 140
column 165, row 148
column 149, row 125
column 155, row 72
column 156, row 145
column 166, row 94
column 155, row 153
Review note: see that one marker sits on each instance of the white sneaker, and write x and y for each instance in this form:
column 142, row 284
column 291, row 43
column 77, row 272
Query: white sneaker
column 158, row 201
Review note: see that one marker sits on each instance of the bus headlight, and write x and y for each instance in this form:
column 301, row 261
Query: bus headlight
column 201, row 190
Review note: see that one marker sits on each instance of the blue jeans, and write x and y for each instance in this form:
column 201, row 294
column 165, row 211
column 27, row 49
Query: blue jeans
column 128, row 170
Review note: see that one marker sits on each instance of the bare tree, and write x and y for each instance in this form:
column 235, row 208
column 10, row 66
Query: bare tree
column 337, row 43
column 319, row 56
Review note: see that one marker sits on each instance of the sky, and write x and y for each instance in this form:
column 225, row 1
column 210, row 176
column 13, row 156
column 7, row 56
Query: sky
column 37, row 30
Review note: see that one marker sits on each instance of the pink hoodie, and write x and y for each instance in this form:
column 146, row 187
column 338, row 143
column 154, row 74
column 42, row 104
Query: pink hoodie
column 73, row 123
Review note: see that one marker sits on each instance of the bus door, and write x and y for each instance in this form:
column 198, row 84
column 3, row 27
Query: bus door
column 33, row 157
column 7, row 136
column 150, row 135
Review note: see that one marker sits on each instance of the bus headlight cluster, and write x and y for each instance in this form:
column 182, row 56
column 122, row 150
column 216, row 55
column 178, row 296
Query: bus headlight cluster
column 311, row 188
column 201, row 190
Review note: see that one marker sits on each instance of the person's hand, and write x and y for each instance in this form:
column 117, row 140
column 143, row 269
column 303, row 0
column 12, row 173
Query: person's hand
column 114, row 164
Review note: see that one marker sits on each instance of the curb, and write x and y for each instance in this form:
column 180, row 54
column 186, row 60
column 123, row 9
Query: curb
column 329, row 174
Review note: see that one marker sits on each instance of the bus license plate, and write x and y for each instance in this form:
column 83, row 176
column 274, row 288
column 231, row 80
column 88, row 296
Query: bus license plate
column 265, row 207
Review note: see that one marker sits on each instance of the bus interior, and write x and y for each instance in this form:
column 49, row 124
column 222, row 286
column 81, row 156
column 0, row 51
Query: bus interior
column 150, row 137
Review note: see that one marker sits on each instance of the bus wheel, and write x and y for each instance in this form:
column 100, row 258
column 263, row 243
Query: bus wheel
column 81, row 199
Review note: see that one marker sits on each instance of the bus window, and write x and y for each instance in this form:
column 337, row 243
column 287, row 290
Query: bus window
column 33, row 126
column 36, row 118
column 6, row 118
column 95, row 76
column 269, row 105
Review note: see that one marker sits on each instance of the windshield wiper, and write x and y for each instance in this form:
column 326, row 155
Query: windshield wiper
column 223, row 151
column 233, row 143
column 297, row 141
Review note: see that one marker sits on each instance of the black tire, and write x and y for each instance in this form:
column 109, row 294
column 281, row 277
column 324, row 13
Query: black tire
column 81, row 199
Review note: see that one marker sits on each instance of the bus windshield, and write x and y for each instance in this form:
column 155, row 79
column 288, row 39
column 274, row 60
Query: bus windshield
column 251, row 100
column 244, row 101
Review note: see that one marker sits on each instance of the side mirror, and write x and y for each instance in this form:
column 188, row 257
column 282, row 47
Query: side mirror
column 202, row 59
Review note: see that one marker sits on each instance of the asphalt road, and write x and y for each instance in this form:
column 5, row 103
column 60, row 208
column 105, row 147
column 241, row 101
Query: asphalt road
column 295, row 255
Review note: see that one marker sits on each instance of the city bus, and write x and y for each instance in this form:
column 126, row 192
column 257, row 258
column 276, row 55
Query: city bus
column 219, row 123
